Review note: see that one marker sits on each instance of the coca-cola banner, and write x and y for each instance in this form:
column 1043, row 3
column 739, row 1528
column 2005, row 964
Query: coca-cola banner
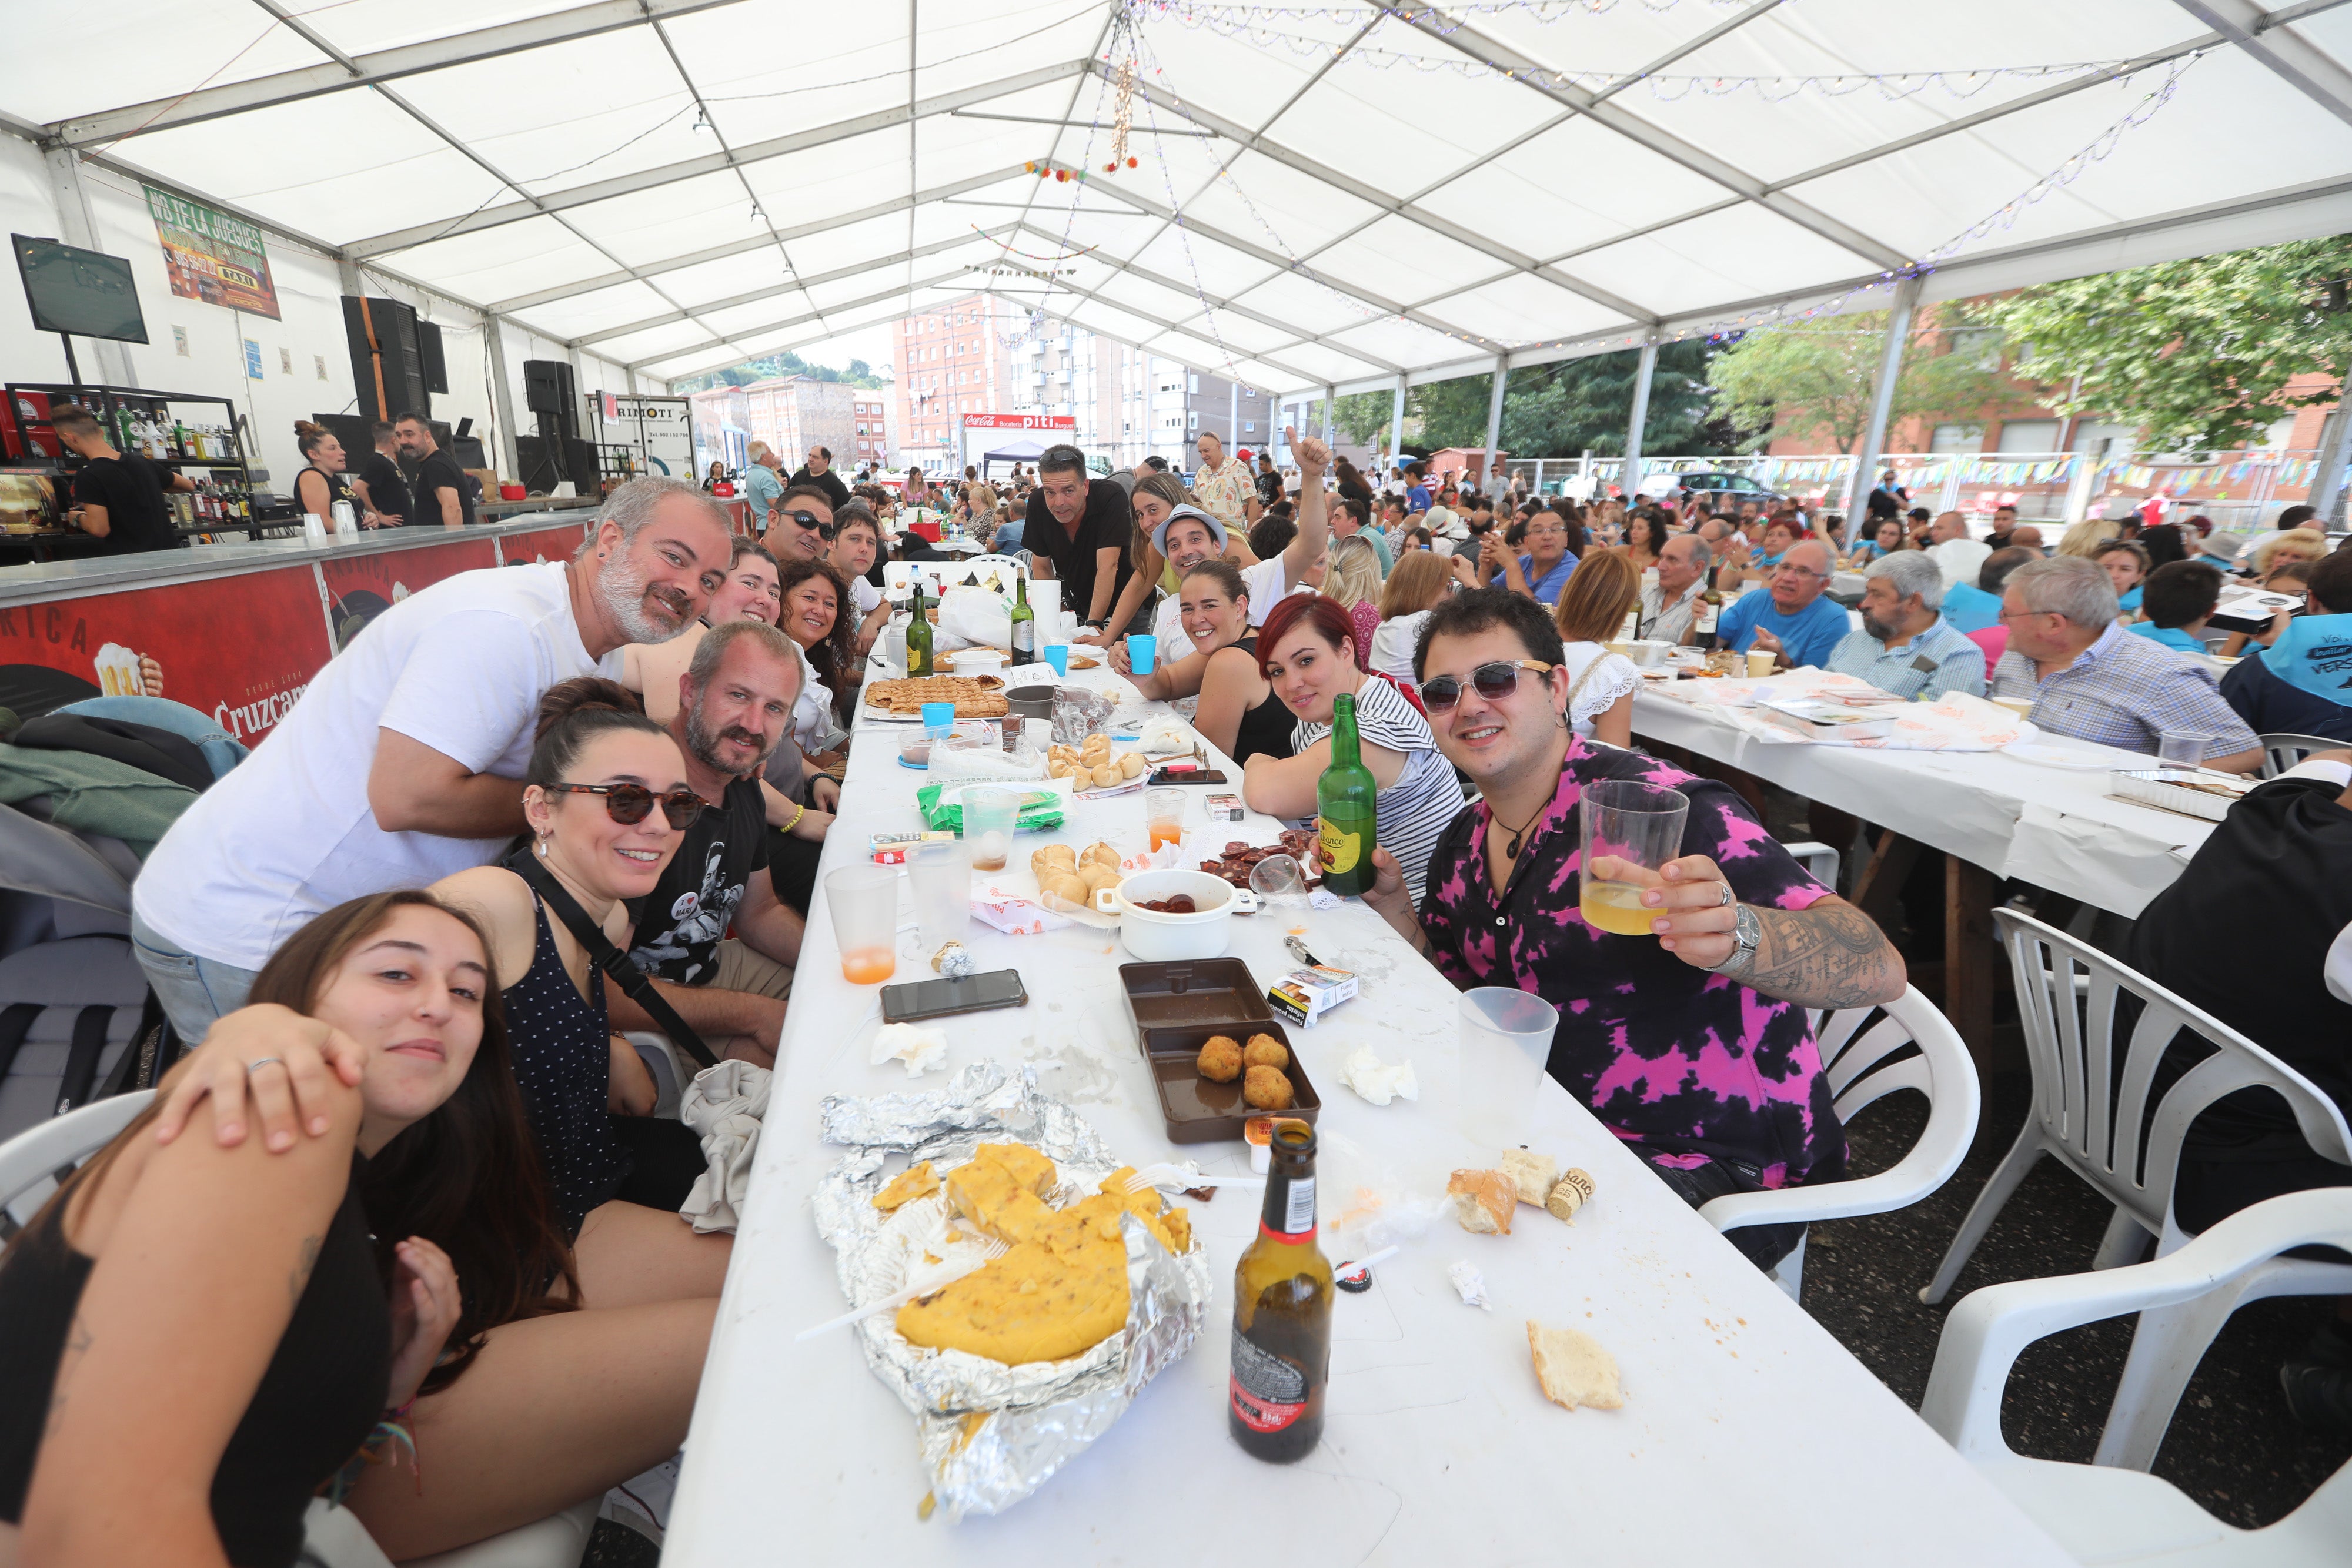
column 238, row 648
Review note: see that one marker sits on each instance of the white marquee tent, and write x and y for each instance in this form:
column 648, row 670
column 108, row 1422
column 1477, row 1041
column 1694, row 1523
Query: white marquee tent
column 1350, row 193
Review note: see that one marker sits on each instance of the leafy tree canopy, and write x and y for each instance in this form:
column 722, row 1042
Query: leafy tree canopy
column 1817, row 373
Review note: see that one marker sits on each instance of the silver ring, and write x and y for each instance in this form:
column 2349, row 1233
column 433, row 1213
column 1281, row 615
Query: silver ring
column 1728, row 898
column 262, row 1062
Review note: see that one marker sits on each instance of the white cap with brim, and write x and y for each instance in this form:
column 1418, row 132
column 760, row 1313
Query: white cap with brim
column 1216, row 528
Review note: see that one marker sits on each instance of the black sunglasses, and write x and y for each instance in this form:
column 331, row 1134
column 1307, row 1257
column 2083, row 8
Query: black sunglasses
column 629, row 804
column 1493, row 683
column 824, row 530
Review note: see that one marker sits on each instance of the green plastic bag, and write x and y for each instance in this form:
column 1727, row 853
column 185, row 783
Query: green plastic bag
column 1041, row 810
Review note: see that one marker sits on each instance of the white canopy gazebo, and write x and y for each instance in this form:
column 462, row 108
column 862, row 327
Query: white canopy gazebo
column 1337, row 196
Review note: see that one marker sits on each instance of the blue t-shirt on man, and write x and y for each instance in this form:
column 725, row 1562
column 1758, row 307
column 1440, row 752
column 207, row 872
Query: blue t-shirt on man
column 1416, row 499
column 1968, row 607
column 1807, row 637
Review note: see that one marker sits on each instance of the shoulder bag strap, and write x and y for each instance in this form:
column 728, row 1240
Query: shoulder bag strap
column 609, row 958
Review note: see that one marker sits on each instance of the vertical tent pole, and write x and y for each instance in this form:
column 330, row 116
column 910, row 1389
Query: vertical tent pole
column 1233, row 416
column 1396, row 429
column 1330, row 416
column 1882, row 400
column 1495, row 418
column 502, row 401
column 1630, row 480
column 2333, row 457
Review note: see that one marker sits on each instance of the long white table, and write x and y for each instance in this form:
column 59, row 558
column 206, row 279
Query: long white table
column 1749, row 1434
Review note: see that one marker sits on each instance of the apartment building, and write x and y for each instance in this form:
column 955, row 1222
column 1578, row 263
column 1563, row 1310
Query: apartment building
column 793, row 413
column 1129, row 405
column 951, row 362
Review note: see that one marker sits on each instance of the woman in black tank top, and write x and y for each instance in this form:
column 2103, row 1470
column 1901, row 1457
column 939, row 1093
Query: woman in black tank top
column 1238, row 711
column 319, row 486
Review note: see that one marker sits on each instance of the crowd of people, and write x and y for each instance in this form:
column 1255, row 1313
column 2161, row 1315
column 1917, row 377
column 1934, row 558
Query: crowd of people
column 447, row 945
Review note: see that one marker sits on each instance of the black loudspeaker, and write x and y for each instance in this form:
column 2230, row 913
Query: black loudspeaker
column 547, row 388
column 354, row 432
column 387, row 356
column 539, row 475
column 428, row 355
column 582, row 464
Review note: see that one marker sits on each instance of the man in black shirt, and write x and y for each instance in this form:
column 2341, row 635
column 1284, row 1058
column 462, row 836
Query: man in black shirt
column 818, row 471
column 1082, row 525
column 736, row 705
column 381, row 486
column 440, row 490
column 120, row 495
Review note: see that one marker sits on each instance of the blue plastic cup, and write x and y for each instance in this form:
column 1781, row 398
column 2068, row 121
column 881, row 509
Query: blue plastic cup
column 1142, row 648
column 938, row 719
column 1058, row 656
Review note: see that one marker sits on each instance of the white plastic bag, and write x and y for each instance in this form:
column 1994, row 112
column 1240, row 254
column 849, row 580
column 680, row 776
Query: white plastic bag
column 974, row 618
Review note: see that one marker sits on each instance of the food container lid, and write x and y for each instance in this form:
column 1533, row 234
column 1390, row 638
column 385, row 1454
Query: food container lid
column 1191, row 992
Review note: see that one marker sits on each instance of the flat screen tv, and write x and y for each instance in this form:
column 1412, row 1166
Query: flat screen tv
column 85, row 292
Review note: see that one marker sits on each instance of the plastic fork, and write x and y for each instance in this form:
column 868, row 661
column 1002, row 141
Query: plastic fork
column 1183, row 1176
column 990, row 1250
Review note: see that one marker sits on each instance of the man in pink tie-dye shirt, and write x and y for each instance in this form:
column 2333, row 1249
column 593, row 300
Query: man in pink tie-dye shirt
column 1690, row 1043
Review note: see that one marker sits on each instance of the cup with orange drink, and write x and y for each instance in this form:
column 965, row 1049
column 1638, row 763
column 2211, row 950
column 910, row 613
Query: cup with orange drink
column 1640, row 828
column 1163, row 815
column 865, row 903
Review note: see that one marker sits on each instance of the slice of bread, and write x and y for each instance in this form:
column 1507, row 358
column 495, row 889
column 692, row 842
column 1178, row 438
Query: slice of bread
column 1573, row 1368
column 1484, row 1201
column 1533, row 1173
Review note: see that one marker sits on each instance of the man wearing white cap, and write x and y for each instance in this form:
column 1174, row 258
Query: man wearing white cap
column 1190, row 534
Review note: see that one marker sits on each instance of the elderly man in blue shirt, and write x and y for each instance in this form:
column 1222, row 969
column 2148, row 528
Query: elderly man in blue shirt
column 1905, row 647
column 1792, row 619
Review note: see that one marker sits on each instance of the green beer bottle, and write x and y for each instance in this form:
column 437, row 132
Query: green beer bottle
column 919, row 638
column 1024, row 625
column 1344, row 806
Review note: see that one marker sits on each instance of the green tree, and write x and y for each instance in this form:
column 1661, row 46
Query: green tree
column 2197, row 353
column 1362, row 417
column 1811, row 374
column 1451, row 414
column 1570, row 406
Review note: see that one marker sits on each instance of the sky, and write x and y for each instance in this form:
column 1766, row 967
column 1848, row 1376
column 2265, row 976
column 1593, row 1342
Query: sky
column 871, row 344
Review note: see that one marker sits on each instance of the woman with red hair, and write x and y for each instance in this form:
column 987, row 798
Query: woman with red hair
column 1308, row 651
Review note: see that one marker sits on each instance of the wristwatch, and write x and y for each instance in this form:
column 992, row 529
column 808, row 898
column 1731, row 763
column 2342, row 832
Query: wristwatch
column 1747, row 936
column 1098, row 625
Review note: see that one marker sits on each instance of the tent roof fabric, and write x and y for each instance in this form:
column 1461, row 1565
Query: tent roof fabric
column 1341, row 192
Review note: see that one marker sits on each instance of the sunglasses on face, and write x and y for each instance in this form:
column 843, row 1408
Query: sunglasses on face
column 824, row 530
column 1492, row 682
column 629, row 804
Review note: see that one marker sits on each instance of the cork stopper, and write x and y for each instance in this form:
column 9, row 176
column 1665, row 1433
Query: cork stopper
column 1572, row 1192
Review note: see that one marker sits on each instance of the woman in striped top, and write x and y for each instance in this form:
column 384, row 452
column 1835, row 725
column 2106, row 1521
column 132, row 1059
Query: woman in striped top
column 1306, row 648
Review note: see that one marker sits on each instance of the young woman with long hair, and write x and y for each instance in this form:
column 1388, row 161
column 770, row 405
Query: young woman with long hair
column 1238, row 713
column 1307, row 651
column 1591, row 610
column 1353, row 578
column 815, row 597
column 1645, row 535
column 1420, row 583
column 400, row 1264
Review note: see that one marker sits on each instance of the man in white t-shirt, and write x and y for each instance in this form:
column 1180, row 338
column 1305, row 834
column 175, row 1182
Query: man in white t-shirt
column 857, row 541
column 1190, row 535
column 402, row 761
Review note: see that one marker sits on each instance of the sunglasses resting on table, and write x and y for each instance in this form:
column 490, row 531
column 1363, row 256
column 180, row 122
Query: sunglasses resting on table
column 632, row 803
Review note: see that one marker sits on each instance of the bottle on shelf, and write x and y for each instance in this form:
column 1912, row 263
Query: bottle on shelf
column 1345, row 810
column 1281, row 1313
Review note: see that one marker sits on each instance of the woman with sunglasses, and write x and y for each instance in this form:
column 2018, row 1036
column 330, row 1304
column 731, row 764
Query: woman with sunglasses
column 1238, row 711
column 606, row 798
column 1307, row 651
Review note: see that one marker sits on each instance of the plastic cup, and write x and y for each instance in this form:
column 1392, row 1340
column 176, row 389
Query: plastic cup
column 940, row 716
column 988, row 816
column 1058, row 656
column 1760, row 663
column 1641, row 826
column 1142, row 648
column 1163, row 815
column 940, row 874
column 1505, row 1042
column 2182, row 747
column 865, row 903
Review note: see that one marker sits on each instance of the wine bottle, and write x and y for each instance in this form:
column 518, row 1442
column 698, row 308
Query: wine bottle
column 1346, row 808
column 919, row 638
column 1024, row 625
column 1703, row 618
column 1281, row 1313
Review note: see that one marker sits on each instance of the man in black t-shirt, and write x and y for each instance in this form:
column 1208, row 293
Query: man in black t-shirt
column 1083, row 527
column 120, row 495
column 818, row 471
column 381, row 486
column 439, row 493
column 735, row 704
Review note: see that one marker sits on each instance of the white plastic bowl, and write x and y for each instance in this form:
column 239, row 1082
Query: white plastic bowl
column 978, row 662
column 1154, row 937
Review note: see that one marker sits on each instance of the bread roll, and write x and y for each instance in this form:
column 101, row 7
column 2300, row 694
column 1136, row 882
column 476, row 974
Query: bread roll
column 1100, row 854
column 1130, row 766
column 1484, row 1201
column 1068, row 889
column 1574, row 1369
column 1106, row 776
column 1095, row 876
column 1534, row 1173
column 1060, row 767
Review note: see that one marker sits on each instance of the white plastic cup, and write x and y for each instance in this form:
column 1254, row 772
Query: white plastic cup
column 940, row 874
column 2182, row 747
column 1506, row 1039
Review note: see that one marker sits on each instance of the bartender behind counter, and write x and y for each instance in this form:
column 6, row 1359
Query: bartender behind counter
column 117, row 496
column 440, row 491
column 381, row 486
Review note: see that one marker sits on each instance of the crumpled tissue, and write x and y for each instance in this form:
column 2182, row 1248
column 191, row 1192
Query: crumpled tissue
column 1471, row 1285
column 920, row 1049
column 1377, row 1082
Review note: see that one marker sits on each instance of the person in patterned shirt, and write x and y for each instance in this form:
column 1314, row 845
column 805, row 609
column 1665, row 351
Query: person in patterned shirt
column 1220, row 487
column 1691, row 1045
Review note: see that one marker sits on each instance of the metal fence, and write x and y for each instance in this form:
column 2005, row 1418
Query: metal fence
column 2244, row 490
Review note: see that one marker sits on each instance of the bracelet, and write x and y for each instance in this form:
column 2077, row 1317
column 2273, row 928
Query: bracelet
column 798, row 812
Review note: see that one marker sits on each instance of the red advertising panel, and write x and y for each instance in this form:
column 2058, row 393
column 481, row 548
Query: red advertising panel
column 239, row 648
column 361, row 587
column 543, row 543
column 1020, row 421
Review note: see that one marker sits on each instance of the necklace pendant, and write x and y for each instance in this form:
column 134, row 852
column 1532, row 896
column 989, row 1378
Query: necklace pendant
column 1511, row 850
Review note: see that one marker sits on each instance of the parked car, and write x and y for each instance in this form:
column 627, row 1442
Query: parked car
column 1732, row 487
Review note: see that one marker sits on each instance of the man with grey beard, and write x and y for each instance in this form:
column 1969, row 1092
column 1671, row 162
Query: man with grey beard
column 402, row 762
column 735, row 704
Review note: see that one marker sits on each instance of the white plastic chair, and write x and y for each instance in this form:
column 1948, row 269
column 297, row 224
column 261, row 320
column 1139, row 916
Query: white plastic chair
column 2106, row 1515
column 2091, row 1111
column 1821, row 862
column 1862, row 1067
column 30, row 1165
column 2282, row 751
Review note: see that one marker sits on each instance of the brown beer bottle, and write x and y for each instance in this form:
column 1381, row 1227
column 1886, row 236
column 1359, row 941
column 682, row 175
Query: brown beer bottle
column 1281, row 1313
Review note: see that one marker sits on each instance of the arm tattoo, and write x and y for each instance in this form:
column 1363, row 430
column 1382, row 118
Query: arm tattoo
column 78, row 1343
column 301, row 1276
column 1830, row 955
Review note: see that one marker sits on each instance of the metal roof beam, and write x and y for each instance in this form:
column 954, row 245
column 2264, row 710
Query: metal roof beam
column 1499, row 57
column 340, row 73
column 715, row 162
column 2281, row 52
column 1373, row 195
column 896, row 290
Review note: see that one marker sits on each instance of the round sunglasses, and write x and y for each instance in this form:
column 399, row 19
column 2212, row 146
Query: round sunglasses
column 1493, row 682
column 629, row 804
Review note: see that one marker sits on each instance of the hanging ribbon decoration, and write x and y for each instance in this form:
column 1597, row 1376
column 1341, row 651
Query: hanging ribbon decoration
column 1122, row 118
